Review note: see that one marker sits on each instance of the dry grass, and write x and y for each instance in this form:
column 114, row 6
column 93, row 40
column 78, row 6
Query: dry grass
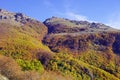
column 54, row 76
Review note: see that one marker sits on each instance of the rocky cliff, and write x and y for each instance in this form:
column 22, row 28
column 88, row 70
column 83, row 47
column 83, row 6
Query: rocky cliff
column 7, row 16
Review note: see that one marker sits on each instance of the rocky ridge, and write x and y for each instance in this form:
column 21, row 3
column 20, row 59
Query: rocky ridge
column 16, row 18
column 61, row 25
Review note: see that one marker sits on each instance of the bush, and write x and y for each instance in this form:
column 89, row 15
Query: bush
column 44, row 57
column 30, row 65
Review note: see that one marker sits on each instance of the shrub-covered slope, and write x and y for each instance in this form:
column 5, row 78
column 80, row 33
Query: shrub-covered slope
column 93, row 43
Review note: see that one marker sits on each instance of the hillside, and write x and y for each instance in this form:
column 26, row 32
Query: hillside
column 21, row 34
column 20, row 39
column 79, row 36
column 93, row 43
column 57, row 49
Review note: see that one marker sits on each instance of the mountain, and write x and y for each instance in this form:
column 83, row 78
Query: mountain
column 57, row 49
column 79, row 36
column 93, row 43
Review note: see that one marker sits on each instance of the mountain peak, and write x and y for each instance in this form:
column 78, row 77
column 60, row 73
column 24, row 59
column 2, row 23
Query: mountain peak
column 10, row 17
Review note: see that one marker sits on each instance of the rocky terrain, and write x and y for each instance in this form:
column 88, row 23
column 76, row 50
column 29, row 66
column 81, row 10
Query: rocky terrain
column 6, row 16
column 57, row 49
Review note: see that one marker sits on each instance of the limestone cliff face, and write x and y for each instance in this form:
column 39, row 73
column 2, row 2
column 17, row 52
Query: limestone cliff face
column 16, row 17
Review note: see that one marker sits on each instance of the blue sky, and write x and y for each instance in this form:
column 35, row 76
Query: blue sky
column 104, row 11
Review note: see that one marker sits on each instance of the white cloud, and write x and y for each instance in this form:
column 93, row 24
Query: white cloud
column 114, row 24
column 74, row 16
column 114, row 21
